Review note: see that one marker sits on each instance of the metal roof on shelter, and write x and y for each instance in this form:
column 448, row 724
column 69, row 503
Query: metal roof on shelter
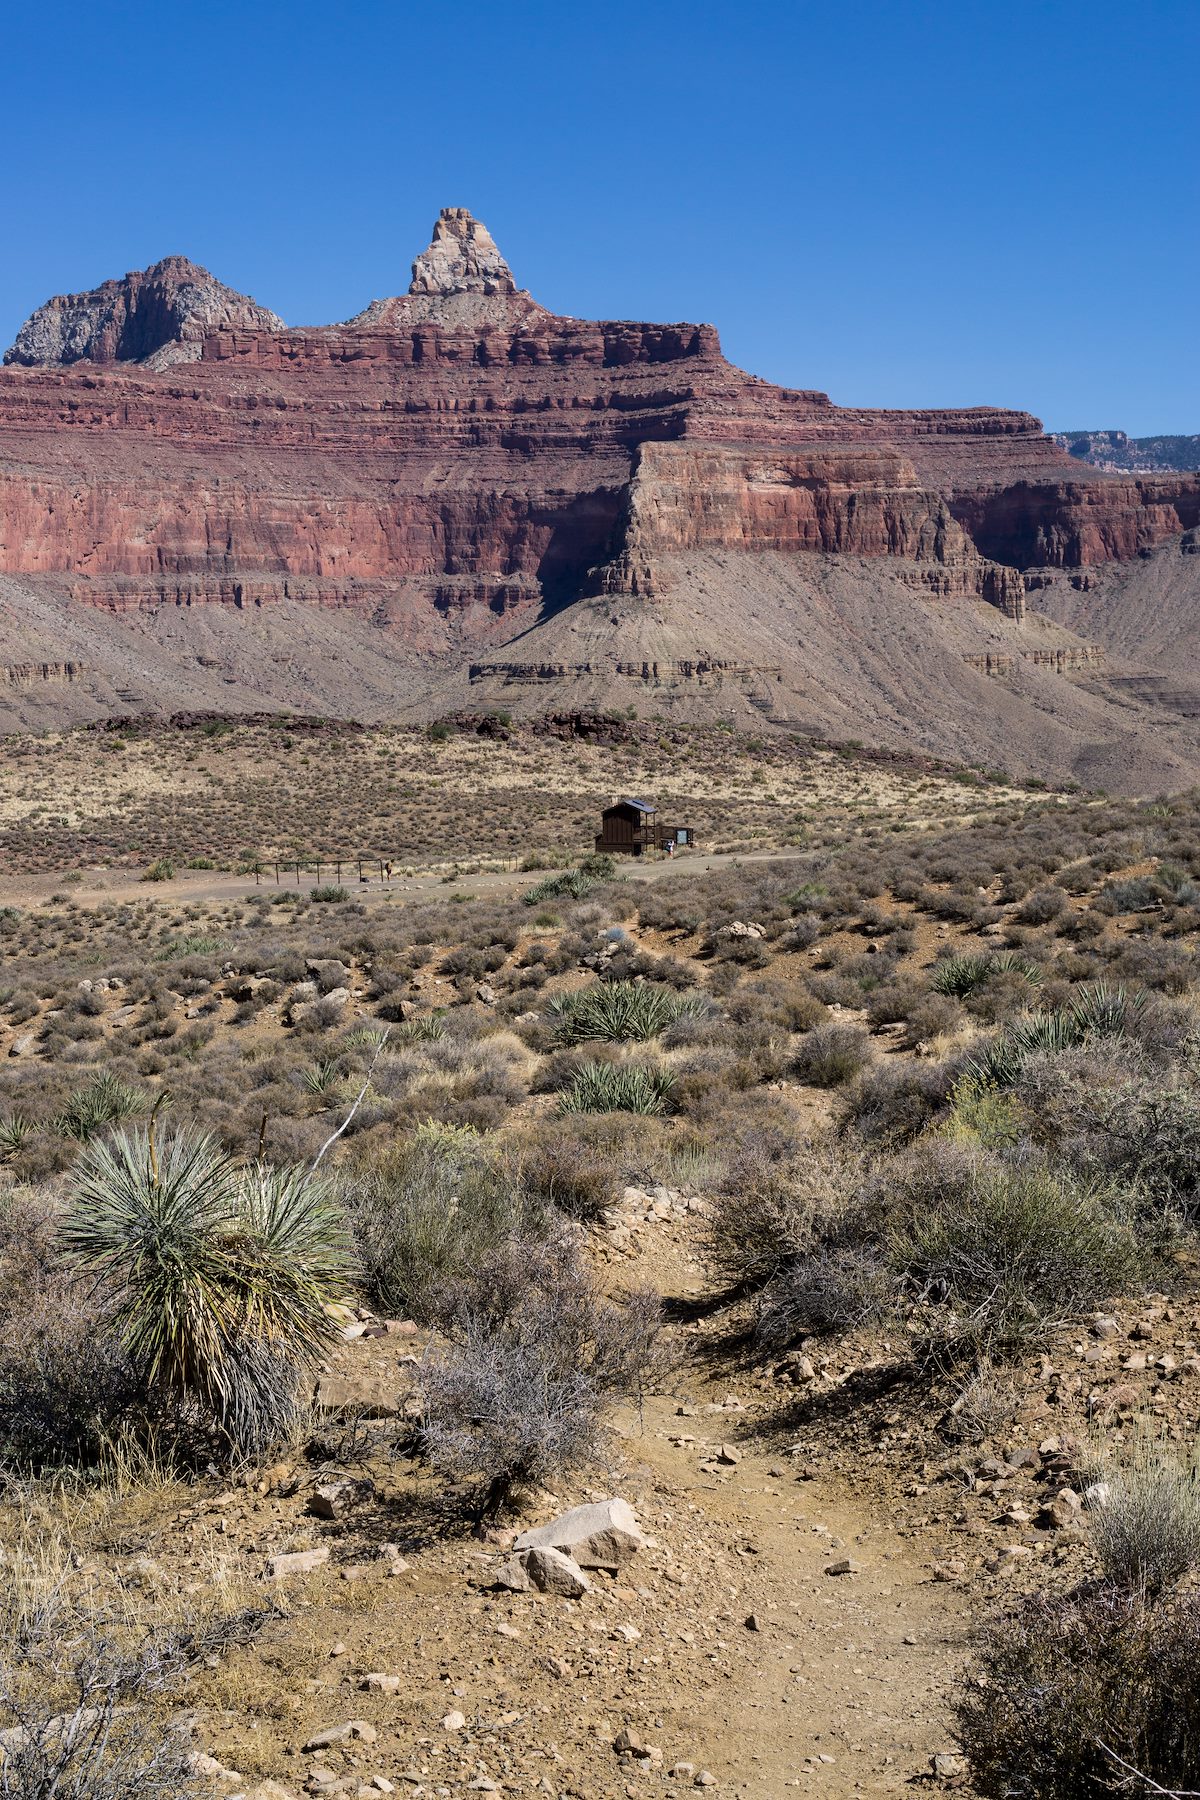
column 642, row 805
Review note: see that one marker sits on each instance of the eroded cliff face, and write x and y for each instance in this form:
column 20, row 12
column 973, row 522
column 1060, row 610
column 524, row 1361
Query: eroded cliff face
column 456, row 461
column 158, row 315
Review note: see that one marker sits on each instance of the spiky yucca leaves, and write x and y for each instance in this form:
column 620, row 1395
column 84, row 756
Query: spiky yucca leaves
column 1098, row 1011
column 618, row 1087
column 104, row 1101
column 220, row 1274
column 621, row 1011
column 961, row 975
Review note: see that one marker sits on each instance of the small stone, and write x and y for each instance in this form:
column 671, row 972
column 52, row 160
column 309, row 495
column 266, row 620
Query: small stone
column 728, row 1453
column 947, row 1765
column 380, row 1683
column 334, row 1499
column 753, row 1622
column 600, row 1536
column 845, row 1565
column 297, row 1562
column 353, row 1729
column 705, row 1778
column 513, row 1576
column 454, row 1721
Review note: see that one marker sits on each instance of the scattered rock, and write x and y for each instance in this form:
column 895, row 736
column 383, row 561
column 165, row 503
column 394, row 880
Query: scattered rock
column 553, row 1572
column 600, row 1536
column 296, row 1562
column 334, row 1499
column 354, row 1730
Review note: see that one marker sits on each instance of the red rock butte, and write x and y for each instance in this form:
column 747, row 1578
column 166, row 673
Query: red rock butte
column 457, row 464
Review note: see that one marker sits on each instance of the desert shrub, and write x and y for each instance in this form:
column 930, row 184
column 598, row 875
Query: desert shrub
column 1063, row 1686
column 893, row 1102
column 425, row 1209
column 571, row 1163
column 1146, row 1531
column 998, row 1252
column 837, row 1286
column 535, row 1355
column 570, row 884
column 1137, row 893
column 600, row 1087
column 782, row 1005
column 328, row 895
column 776, row 1200
column 162, row 870
column 1041, row 906
column 621, row 1011
column 220, row 1276
column 831, row 1054
column 84, row 1702
column 1110, row 1112
column 64, row 1382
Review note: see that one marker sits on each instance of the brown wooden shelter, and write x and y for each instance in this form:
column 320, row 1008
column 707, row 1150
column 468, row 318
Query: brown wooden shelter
column 628, row 827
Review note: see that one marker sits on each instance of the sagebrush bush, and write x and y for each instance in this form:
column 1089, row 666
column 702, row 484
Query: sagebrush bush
column 831, row 1054
column 535, row 1355
column 220, row 1275
column 65, row 1383
column 426, row 1208
column 998, row 1252
column 778, row 1200
column 1063, row 1686
column 1146, row 1529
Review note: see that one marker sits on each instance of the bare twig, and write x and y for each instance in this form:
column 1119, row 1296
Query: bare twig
column 334, row 1136
column 1149, row 1784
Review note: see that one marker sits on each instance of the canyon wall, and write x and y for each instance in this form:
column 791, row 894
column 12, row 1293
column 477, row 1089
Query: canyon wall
column 456, row 462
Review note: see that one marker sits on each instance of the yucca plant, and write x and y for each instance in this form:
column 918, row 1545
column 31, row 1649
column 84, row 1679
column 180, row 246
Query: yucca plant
column 106, row 1100
column 220, row 1274
column 617, row 1087
column 322, row 1076
column 570, row 884
column 621, row 1011
column 13, row 1132
column 959, row 976
column 421, row 1031
column 1098, row 1011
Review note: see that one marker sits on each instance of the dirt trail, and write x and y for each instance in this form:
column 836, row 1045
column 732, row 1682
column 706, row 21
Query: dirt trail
column 200, row 886
column 840, row 1685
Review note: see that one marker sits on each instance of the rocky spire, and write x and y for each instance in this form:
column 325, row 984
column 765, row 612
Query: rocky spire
column 462, row 259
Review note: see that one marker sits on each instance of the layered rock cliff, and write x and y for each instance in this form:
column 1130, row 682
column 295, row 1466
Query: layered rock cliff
column 158, row 316
column 454, row 465
column 1116, row 451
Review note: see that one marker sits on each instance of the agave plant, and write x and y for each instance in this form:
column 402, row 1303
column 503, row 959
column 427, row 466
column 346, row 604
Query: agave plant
column 220, row 1274
column 621, row 1012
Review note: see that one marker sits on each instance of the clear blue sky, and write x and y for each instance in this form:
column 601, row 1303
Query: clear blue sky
column 921, row 204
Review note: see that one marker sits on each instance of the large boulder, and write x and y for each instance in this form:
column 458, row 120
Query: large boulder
column 600, row 1536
